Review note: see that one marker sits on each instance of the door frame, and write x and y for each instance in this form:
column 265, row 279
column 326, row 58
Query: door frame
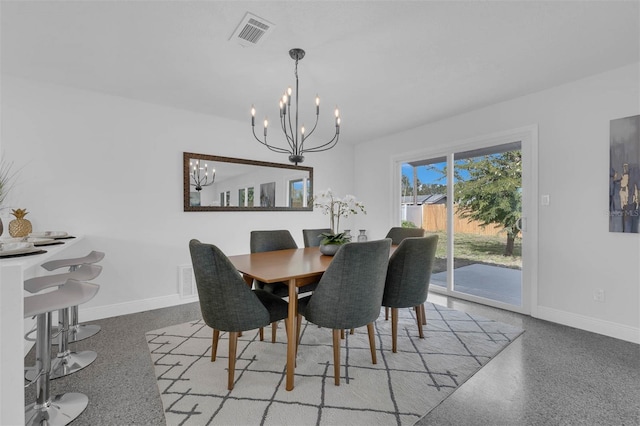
column 528, row 136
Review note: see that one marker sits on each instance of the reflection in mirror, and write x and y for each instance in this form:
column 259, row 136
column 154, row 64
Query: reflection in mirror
column 214, row 183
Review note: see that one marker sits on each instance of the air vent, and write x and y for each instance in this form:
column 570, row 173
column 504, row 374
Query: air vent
column 252, row 30
column 186, row 282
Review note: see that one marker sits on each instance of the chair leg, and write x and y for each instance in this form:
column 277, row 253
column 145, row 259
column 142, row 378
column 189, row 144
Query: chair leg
column 351, row 331
column 394, row 330
column 386, row 313
column 298, row 326
column 419, row 321
column 342, row 334
column 372, row 343
column 233, row 344
column 336, row 356
column 424, row 315
column 261, row 334
column 214, row 344
column 274, row 329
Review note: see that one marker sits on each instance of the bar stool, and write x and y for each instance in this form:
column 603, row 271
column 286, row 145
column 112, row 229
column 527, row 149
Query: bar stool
column 76, row 332
column 63, row 408
column 66, row 361
column 37, row 284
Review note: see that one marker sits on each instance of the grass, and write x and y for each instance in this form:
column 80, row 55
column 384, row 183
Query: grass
column 472, row 248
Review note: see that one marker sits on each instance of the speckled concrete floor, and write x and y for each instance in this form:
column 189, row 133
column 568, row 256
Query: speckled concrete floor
column 551, row 375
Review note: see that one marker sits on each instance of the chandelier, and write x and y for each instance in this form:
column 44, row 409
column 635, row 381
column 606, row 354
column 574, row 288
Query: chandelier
column 198, row 180
column 296, row 136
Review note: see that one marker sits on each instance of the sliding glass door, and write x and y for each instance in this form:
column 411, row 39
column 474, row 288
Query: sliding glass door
column 487, row 208
column 472, row 197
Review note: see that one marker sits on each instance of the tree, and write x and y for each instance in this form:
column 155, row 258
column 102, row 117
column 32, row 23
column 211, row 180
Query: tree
column 407, row 189
column 490, row 191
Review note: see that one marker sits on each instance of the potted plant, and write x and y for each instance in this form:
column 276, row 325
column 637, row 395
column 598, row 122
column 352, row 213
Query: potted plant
column 336, row 208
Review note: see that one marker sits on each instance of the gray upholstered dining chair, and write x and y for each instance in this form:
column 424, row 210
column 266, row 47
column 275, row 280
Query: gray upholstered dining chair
column 397, row 234
column 227, row 303
column 312, row 236
column 407, row 282
column 349, row 294
column 270, row 241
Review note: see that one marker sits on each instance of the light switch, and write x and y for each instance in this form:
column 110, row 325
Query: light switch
column 544, row 200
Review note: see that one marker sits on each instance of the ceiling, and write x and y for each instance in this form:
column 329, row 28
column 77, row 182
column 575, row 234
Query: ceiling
column 388, row 65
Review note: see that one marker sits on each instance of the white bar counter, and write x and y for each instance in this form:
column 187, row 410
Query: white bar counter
column 13, row 272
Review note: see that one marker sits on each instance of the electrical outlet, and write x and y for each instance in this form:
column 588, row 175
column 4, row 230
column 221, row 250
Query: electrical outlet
column 598, row 295
column 544, row 200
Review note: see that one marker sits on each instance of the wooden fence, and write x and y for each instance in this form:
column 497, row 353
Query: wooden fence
column 434, row 218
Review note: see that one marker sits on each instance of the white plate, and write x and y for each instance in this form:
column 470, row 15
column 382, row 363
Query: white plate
column 40, row 241
column 9, row 249
column 49, row 234
column 25, row 251
column 34, row 241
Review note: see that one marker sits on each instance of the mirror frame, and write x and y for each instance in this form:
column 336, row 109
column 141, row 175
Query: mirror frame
column 186, row 156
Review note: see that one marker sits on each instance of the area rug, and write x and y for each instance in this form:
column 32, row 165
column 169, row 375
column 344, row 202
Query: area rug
column 400, row 389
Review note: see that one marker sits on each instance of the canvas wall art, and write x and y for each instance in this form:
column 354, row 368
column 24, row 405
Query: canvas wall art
column 268, row 194
column 624, row 175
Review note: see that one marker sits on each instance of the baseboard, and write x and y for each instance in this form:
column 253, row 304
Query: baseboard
column 607, row 328
column 132, row 307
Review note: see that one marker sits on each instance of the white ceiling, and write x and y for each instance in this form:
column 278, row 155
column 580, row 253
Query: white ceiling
column 388, row 65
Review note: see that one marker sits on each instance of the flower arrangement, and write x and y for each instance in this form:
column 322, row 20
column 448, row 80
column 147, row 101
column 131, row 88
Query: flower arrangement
column 336, row 208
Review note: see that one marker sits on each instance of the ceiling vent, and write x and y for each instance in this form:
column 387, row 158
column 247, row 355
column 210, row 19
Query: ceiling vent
column 252, row 30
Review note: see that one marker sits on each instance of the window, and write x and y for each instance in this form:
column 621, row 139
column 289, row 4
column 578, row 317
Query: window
column 296, row 193
column 225, row 198
column 245, row 197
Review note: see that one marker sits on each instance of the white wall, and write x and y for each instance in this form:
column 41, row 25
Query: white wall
column 111, row 169
column 577, row 253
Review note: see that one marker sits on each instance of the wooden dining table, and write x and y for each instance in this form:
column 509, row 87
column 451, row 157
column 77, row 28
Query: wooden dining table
column 296, row 268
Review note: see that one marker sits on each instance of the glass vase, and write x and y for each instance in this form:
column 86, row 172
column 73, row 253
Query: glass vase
column 363, row 236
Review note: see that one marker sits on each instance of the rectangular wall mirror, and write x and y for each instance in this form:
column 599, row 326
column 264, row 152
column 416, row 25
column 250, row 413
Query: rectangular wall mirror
column 214, row 183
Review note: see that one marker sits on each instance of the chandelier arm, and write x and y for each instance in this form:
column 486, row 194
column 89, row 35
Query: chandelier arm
column 321, row 148
column 198, row 181
column 283, row 124
column 293, row 136
column 302, row 150
column 272, row 148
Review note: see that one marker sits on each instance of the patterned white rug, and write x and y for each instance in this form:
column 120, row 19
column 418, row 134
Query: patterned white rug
column 400, row 389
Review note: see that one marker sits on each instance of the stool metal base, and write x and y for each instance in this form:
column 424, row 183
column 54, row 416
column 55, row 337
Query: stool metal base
column 82, row 331
column 75, row 334
column 66, row 365
column 60, row 410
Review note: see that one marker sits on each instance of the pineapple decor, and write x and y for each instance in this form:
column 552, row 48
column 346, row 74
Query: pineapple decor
column 19, row 227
